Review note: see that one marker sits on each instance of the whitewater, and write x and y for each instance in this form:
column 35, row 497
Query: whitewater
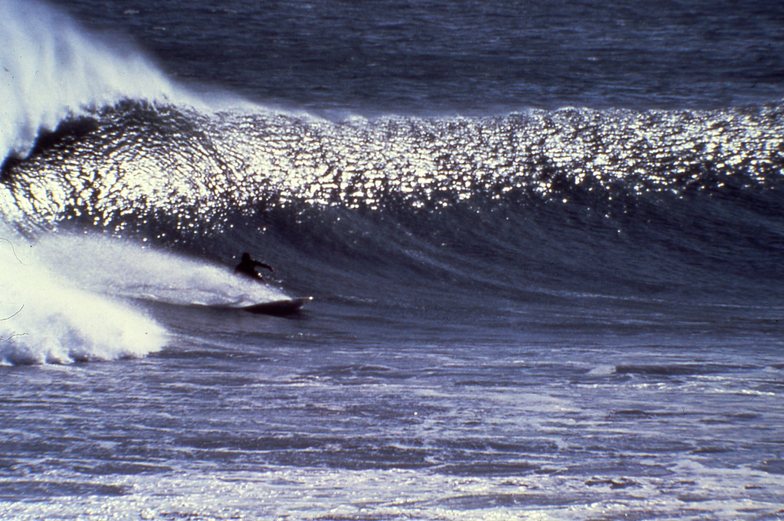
column 544, row 243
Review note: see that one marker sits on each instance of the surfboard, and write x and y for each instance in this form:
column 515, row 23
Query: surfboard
column 278, row 308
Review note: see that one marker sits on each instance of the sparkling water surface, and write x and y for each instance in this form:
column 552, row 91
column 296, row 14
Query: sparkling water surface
column 544, row 239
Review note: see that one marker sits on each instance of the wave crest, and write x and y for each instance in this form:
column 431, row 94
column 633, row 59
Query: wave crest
column 183, row 167
column 54, row 69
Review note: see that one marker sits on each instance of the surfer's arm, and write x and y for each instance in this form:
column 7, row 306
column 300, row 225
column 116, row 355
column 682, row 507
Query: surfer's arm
column 262, row 265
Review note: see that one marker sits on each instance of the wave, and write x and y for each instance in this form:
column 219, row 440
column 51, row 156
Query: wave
column 141, row 158
column 569, row 201
column 580, row 199
column 101, row 134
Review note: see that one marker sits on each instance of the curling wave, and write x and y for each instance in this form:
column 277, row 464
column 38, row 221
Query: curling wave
column 54, row 69
column 170, row 163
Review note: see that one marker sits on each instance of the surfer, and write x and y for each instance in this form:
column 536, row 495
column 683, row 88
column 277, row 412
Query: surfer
column 247, row 267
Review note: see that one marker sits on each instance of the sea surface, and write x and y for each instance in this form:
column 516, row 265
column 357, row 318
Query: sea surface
column 544, row 241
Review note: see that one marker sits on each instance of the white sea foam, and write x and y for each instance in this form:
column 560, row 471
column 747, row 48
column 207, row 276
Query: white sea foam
column 53, row 68
column 45, row 318
column 603, row 370
column 319, row 493
column 71, row 297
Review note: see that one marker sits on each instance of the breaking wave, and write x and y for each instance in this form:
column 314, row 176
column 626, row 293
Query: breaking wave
column 542, row 202
column 46, row 318
column 54, row 69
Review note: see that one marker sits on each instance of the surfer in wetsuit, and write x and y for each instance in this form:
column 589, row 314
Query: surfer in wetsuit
column 247, row 267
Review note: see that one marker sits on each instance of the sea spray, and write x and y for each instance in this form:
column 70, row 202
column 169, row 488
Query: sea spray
column 47, row 319
column 131, row 270
column 52, row 69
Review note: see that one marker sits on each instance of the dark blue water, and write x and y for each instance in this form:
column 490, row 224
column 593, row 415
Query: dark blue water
column 544, row 242
column 467, row 57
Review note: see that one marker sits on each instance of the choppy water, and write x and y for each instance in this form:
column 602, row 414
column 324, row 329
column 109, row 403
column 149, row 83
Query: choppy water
column 545, row 244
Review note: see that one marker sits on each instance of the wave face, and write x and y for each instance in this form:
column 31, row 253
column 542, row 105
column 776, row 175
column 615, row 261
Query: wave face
column 685, row 193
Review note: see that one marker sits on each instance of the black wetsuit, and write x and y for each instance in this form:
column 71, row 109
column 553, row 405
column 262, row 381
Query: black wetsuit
column 247, row 267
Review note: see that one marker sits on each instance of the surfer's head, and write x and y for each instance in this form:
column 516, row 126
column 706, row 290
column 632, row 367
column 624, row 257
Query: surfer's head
column 245, row 256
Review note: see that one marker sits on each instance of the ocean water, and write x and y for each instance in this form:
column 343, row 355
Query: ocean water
column 545, row 242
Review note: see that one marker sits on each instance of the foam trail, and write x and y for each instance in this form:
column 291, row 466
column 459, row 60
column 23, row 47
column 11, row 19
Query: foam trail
column 52, row 68
column 45, row 319
column 126, row 269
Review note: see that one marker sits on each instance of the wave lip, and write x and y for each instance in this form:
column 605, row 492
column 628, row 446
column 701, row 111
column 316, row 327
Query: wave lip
column 52, row 69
